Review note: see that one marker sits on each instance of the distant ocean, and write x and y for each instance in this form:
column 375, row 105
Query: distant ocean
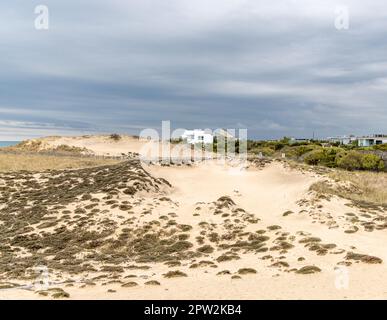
column 8, row 143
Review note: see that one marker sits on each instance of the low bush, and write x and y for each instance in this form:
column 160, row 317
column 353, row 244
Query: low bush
column 354, row 160
column 324, row 156
column 381, row 147
column 351, row 160
column 296, row 151
column 115, row 137
column 266, row 151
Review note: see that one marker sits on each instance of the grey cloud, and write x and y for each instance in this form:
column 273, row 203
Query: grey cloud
column 279, row 69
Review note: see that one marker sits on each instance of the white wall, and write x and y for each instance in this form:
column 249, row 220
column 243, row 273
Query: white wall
column 197, row 136
column 367, row 142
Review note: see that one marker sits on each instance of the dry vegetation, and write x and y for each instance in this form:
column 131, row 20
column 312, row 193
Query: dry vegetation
column 111, row 223
column 39, row 146
column 117, row 225
column 367, row 187
column 38, row 227
column 38, row 162
column 61, row 219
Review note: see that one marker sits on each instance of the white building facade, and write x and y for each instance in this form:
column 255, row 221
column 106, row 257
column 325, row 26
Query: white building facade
column 345, row 140
column 197, row 136
column 372, row 140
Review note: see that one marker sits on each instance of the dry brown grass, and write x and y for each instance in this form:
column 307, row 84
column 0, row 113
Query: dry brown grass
column 361, row 186
column 41, row 146
column 38, row 162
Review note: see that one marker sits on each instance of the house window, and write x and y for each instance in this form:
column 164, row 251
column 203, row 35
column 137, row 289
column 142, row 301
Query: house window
column 201, row 138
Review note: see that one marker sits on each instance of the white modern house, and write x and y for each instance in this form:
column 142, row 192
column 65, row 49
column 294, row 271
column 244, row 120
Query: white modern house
column 345, row 140
column 372, row 140
column 197, row 136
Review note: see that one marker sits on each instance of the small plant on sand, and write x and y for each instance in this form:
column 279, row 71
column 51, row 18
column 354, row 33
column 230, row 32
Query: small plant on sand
column 152, row 283
column 206, row 249
column 115, row 137
column 129, row 284
column 175, row 274
column 227, row 257
column 247, row 271
column 7, row 285
column 223, row 272
column 363, row 258
column 273, row 227
column 310, row 239
column 57, row 293
column 173, row 263
column 308, row 270
column 183, row 236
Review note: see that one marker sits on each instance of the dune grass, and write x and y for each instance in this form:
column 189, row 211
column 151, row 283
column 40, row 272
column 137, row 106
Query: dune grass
column 364, row 186
column 39, row 162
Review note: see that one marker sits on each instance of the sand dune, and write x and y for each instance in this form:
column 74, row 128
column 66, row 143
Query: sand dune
column 204, row 231
column 93, row 144
column 105, row 145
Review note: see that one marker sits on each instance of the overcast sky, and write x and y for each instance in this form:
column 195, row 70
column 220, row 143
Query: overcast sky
column 274, row 67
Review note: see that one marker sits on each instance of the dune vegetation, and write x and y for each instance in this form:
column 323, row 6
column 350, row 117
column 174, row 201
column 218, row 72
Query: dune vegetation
column 359, row 186
column 316, row 153
column 39, row 162
column 128, row 229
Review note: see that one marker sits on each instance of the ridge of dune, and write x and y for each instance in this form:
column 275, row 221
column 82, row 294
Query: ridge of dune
column 89, row 144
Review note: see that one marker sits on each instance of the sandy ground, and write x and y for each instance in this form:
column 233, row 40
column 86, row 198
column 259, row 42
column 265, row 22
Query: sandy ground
column 99, row 145
column 263, row 193
column 104, row 145
column 201, row 286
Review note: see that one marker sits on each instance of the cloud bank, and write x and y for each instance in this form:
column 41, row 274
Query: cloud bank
column 276, row 68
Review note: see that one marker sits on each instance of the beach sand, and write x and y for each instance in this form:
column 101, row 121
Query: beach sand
column 206, row 231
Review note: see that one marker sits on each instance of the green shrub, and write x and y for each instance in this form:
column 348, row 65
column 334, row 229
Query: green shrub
column 276, row 145
column 349, row 160
column 253, row 145
column 324, row 156
column 296, row 151
column 372, row 162
column 382, row 147
column 266, row 151
column 354, row 160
